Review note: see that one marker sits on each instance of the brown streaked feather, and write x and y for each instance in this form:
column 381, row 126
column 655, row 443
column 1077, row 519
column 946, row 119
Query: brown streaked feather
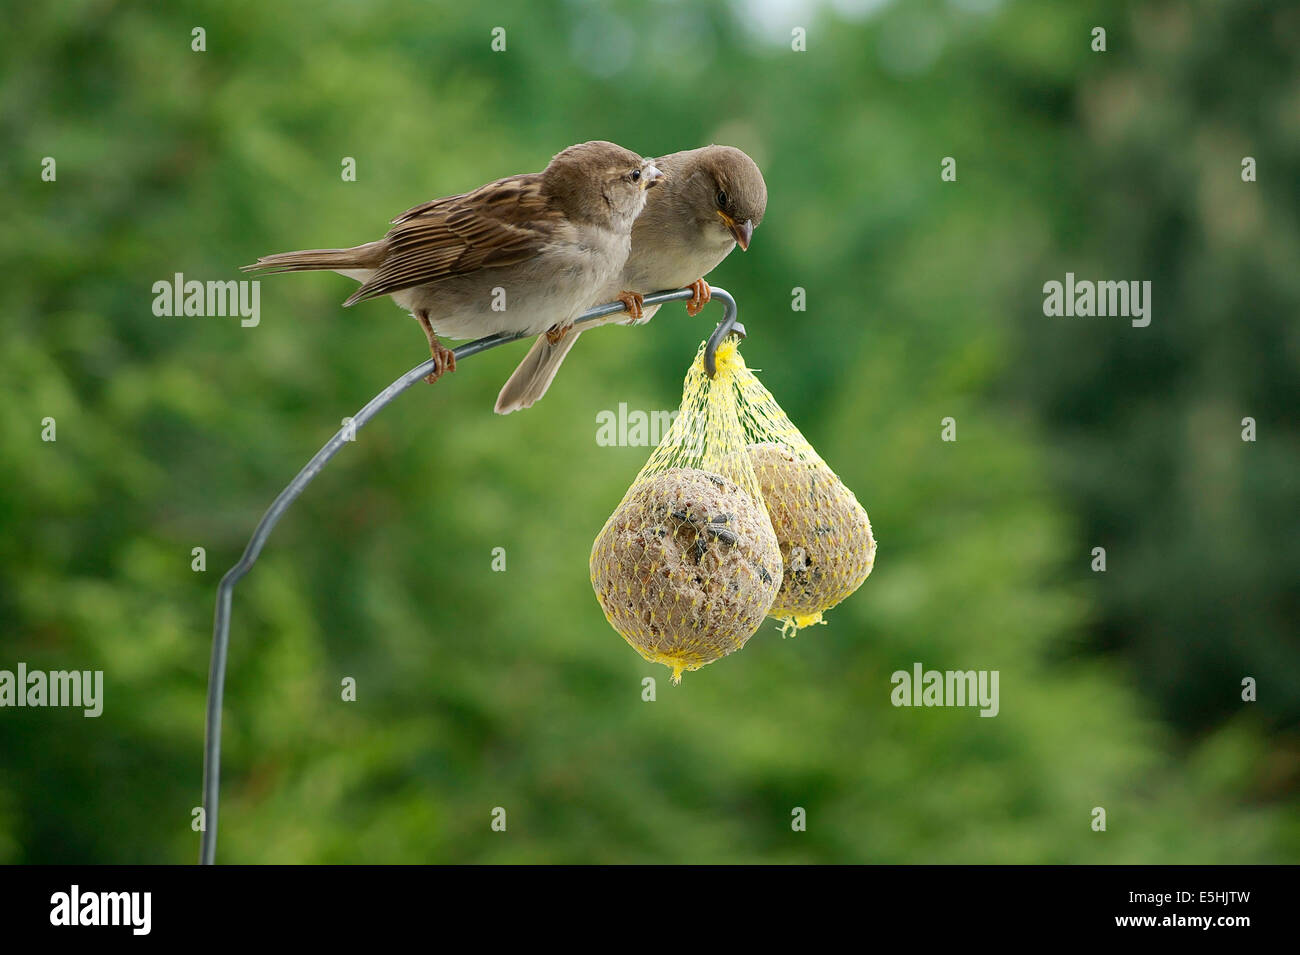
column 309, row 260
column 500, row 224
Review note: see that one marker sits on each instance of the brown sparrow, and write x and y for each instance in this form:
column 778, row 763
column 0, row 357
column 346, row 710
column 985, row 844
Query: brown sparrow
column 523, row 254
column 710, row 201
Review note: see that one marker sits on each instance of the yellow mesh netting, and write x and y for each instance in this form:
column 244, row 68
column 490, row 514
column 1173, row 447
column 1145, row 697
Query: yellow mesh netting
column 688, row 564
column 827, row 547
column 731, row 503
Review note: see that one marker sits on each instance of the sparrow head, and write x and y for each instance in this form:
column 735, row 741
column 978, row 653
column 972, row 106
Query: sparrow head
column 726, row 191
column 600, row 182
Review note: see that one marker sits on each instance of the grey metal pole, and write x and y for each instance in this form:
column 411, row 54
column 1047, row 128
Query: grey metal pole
column 226, row 589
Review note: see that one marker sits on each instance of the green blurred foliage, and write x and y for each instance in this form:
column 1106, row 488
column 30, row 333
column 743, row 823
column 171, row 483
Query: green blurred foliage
column 479, row 689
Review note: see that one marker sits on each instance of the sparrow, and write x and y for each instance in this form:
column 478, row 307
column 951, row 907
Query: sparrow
column 525, row 254
column 710, row 201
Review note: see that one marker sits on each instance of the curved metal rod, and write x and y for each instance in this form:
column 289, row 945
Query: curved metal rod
column 226, row 589
column 728, row 326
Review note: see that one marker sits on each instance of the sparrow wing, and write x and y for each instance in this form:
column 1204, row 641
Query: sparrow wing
column 500, row 224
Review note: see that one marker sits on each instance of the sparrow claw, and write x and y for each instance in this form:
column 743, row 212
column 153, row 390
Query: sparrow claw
column 633, row 303
column 444, row 360
column 701, row 297
column 555, row 334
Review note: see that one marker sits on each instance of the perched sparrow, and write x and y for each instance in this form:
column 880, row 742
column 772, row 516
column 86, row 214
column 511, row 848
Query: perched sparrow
column 710, row 201
column 523, row 254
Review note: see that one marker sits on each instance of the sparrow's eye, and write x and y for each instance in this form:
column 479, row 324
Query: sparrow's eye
column 722, row 199
column 636, row 175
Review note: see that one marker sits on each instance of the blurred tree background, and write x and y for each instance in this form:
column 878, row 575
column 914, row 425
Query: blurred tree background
column 479, row 689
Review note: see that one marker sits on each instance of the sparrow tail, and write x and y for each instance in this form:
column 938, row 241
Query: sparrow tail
column 366, row 256
column 534, row 374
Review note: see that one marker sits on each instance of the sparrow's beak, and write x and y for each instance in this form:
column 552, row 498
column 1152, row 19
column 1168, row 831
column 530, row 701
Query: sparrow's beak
column 649, row 176
column 743, row 231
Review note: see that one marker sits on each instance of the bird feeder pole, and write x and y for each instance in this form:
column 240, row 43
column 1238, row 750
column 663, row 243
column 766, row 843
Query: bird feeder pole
column 226, row 589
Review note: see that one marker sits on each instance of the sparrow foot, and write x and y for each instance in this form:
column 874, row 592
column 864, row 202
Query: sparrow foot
column 444, row 359
column 555, row 334
column 633, row 303
column 701, row 297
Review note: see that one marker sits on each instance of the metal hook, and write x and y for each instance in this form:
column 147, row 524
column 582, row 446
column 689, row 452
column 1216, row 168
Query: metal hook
column 728, row 326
